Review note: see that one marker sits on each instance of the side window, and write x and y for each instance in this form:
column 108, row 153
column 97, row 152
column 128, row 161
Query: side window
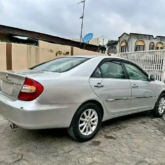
column 135, row 73
column 110, row 70
column 97, row 73
column 104, row 67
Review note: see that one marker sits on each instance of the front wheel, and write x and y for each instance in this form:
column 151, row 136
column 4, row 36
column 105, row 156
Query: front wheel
column 86, row 122
column 159, row 109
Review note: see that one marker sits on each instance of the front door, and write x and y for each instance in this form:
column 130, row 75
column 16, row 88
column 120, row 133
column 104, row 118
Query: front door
column 111, row 86
column 143, row 91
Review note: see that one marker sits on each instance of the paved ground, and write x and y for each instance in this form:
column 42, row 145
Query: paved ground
column 133, row 140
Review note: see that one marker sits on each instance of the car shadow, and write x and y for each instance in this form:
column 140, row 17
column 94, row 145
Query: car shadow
column 58, row 134
column 132, row 117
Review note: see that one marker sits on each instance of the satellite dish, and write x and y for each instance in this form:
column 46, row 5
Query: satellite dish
column 87, row 37
column 103, row 40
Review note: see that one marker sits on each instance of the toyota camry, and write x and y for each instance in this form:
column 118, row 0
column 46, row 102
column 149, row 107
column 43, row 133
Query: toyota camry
column 78, row 93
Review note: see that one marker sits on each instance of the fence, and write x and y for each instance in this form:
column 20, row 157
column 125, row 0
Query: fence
column 153, row 62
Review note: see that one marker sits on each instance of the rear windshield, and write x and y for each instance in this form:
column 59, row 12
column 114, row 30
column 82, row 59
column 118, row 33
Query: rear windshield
column 61, row 64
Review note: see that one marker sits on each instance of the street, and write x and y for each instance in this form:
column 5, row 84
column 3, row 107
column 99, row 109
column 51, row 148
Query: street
column 133, row 140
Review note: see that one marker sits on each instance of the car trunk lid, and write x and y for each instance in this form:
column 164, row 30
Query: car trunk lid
column 11, row 82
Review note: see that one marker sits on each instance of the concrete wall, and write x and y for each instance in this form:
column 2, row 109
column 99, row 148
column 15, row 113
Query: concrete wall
column 57, row 49
column 94, row 41
column 25, row 56
column 19, row 56
column 77, row 51
column 3, row 56
column 62, row 50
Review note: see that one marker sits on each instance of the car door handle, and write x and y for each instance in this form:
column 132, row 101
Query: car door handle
column 134, row 86
column 98, row 85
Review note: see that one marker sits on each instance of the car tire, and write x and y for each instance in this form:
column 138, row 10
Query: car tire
column 86, row 122
column 159, row 108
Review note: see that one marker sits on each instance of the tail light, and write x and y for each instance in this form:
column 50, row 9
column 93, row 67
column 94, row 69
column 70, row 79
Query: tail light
column 30, row 90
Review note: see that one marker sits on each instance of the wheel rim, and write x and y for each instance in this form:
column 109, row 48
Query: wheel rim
column 88, row 122
column 161, row 106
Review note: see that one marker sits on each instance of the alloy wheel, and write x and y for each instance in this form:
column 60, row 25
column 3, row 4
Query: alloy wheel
column 161, row 105
column 88, row 122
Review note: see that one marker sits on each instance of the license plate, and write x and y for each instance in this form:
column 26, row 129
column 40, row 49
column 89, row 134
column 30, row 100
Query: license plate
column 7, row 87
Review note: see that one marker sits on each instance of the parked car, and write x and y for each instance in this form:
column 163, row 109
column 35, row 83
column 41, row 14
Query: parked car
column 78, row 93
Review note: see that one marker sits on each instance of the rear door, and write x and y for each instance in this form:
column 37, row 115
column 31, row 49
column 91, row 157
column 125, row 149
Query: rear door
column 143, row 91
column 109, row 82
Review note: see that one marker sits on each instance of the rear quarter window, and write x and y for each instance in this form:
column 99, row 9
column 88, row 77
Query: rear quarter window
column 61, row 64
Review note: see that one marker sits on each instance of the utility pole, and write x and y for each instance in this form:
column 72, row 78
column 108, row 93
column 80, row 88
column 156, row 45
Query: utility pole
column 82, row 17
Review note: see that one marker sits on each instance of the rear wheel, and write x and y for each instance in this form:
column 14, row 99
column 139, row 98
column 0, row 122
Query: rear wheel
column 159, row 109
column 86, row 122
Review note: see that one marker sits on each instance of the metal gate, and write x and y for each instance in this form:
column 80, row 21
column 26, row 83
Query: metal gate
column 153, row 62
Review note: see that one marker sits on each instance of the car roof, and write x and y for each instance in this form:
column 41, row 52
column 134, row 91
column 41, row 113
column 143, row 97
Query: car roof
column 110, row 57
column 88, row 56
column 104, row 56
column 95, row 56
column 100, row 57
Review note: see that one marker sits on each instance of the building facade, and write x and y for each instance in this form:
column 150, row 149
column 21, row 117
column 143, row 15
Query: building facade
column 139, row 42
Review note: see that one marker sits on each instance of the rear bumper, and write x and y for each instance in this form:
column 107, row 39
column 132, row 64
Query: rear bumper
column 33, row 115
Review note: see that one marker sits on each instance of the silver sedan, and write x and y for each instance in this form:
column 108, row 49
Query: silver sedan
column 78, row 93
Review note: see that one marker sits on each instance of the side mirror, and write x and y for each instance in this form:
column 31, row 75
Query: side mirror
column 152, row 78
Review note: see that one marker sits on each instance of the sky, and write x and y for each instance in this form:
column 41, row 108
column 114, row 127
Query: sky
column 110, row 18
